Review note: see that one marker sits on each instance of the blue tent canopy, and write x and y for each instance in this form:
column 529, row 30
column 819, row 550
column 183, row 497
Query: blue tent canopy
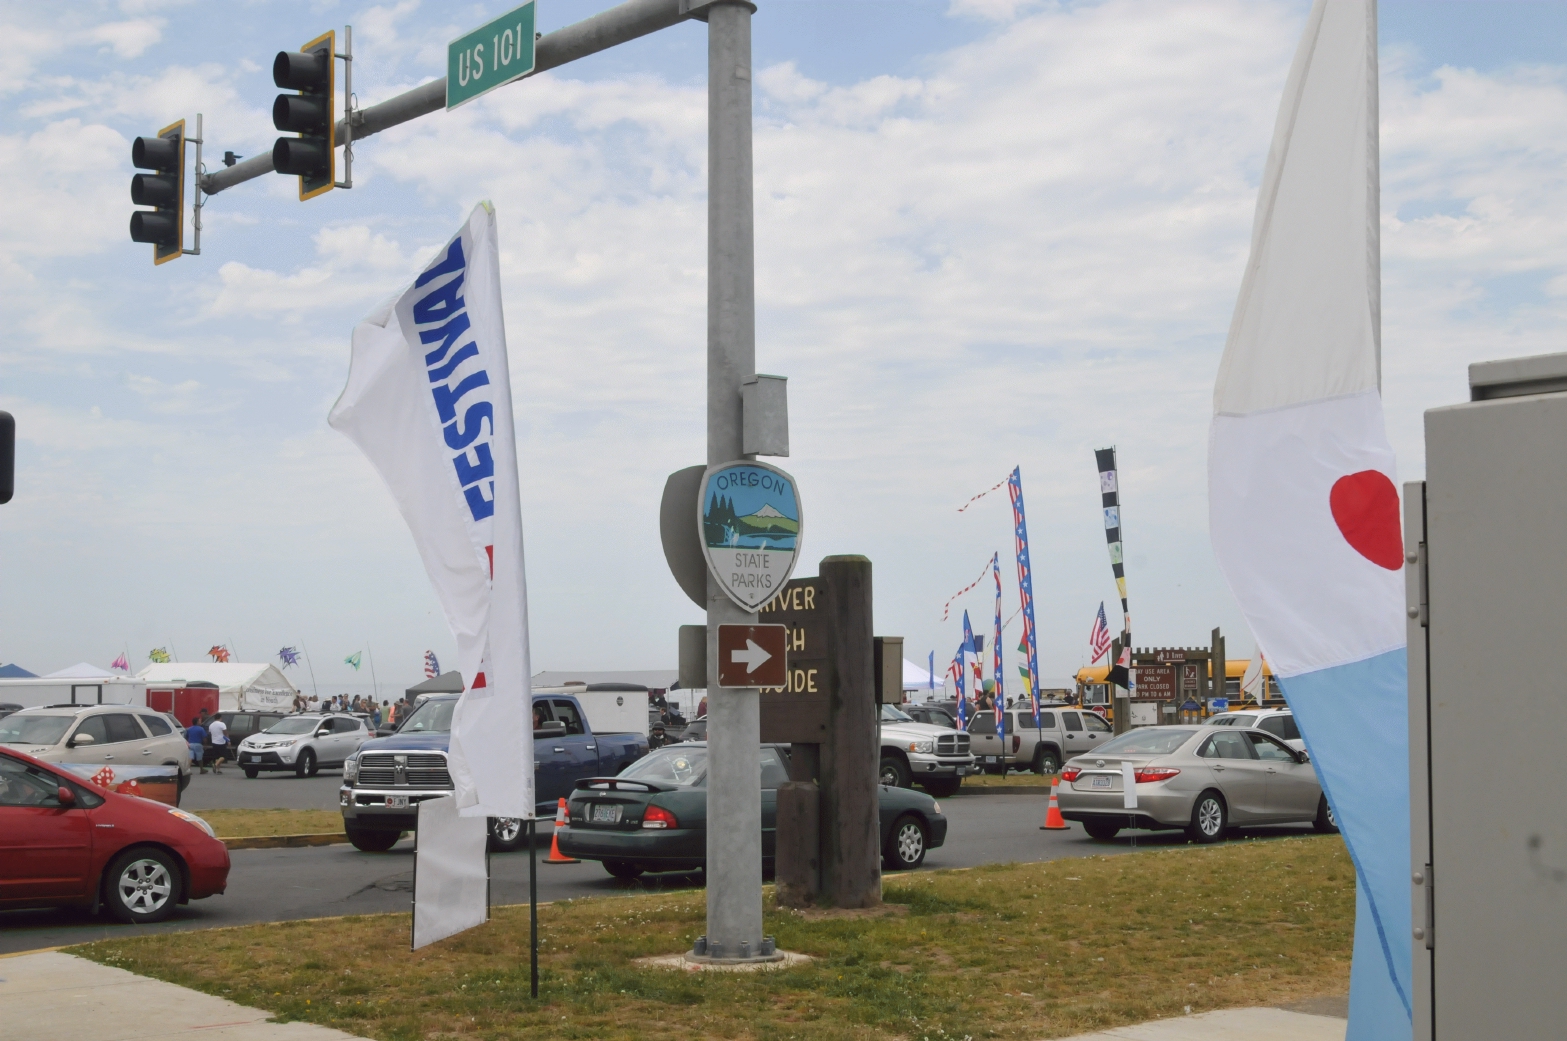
column 15, row 672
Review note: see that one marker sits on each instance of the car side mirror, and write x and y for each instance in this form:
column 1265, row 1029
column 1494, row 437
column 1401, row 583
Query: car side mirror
column 66, row 796
column 550, row 728
column 1304, row 756
column 81, row 739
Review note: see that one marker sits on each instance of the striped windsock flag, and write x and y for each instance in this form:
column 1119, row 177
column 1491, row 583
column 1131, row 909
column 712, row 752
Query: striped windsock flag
column 1110, row 490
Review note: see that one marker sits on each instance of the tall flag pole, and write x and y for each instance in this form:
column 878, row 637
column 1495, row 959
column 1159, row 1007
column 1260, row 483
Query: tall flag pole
column 1302, row 493
column 1025, row 584
column 1000, row 701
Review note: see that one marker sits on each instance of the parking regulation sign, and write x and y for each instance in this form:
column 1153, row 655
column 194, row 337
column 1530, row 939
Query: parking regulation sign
column 749, row 519
column 752, row 655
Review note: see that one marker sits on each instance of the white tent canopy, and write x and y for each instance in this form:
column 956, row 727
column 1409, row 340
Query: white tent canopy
column 81, row 671
column 240, row 685
column 916, row 678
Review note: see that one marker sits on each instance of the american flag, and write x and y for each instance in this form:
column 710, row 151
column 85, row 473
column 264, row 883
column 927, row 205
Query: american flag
column 1099, row 639
column 432, row 668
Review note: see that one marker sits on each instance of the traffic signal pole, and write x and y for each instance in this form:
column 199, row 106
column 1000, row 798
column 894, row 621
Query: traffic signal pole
column 602, row 31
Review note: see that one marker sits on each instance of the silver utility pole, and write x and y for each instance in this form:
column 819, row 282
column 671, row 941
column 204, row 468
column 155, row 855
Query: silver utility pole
column 734, row 797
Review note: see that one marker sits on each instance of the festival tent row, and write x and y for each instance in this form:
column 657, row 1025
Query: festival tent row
column 80, row 684
column 241, row 685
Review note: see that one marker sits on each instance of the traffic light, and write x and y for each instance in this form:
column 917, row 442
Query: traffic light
column 164, row 190
column 311, row 114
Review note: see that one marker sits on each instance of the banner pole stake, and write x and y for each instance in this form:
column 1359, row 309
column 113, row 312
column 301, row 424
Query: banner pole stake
column 533, row 902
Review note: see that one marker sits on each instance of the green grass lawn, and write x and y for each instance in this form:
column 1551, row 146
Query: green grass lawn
column 1005, row 951
column 244, row 824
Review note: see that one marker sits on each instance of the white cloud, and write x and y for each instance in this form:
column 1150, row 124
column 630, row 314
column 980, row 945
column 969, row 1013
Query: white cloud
column 129, row 39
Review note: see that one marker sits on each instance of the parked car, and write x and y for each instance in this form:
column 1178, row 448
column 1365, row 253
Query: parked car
column 385, row 782
column 934, row 715
column 1062, row 733
column 65, row 842
column 115, row 735
column 1280, row 722
column 8, row 708
column 243, row 724
column 696, row 730
column 653, row 815
column 936, row 758
column 303, row 744
column 1203, row 779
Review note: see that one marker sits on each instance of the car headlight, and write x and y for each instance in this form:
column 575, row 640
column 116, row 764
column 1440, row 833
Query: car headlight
column 193, row 819
column 921, row 746
column 351, row 770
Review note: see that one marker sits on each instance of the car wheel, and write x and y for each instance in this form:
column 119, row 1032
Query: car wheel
column 143, row 885
column 623, row 869
column 1209, row 818
column 905, row 849
column 1103, row 831
column 306, row 767
column 894, row 772
column 507, row 834
column 372, row 841
column 942, row 787
column 1326, row 823
column 251, row 772
column 1046, row 762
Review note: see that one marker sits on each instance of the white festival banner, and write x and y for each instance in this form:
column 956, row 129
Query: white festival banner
column 428, row 401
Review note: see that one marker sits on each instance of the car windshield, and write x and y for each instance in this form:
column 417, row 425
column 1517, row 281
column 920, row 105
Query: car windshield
column 676, row 765
column 1146, row 742
column 21, row 729
column 893, row 714
column 295, row 725
column 433, row 717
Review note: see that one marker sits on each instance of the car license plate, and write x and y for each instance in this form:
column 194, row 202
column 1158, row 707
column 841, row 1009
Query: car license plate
column 397, row 802
column 990, row 758
column 606, row 813
column 1102, row 782
column 254, row 758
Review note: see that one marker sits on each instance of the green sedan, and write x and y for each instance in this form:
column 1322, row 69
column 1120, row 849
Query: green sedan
column 653, row 816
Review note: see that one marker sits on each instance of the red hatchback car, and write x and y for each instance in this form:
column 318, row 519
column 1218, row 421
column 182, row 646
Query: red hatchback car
column 66, row 842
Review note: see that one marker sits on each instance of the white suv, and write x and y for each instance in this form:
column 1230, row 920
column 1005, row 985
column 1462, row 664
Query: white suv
column 1280, row 722
column 303, row 744
column 114, row 735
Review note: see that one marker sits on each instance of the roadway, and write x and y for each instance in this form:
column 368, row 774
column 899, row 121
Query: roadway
column 274, row 885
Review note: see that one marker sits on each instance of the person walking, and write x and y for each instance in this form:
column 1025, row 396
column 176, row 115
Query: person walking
column 218, row 731
column 196, row 739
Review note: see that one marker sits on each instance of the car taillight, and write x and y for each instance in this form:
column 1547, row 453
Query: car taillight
column 1017, row 742
column 1070, row 773
column 658, row 817
column 1154, row 773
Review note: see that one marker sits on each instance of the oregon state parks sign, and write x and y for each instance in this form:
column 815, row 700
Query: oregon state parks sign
column 749, row 518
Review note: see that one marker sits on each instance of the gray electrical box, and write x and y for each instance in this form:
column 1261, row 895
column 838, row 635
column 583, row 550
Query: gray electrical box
column 1487, row 604
column 764, row 415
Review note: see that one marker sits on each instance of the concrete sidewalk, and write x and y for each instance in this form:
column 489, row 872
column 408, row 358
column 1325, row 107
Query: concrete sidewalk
column 59, row 997
column 51, row 996
column 1233, row 1024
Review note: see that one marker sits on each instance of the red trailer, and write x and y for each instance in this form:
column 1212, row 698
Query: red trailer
column 184, row 702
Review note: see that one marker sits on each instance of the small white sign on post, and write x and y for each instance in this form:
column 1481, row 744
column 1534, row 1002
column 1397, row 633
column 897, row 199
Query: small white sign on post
column 1128, row 786
column 451, row 872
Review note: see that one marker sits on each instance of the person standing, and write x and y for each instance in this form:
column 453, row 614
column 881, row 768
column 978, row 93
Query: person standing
column 196, row 739
column 219, row 732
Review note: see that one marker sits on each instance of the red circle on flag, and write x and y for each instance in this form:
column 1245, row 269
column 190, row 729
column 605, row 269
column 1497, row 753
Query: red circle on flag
column 1365, row 508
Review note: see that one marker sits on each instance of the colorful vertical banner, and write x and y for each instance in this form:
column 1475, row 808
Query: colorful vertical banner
column 1000, row 700
column 1110, row 490
column 956, row 669
column 931, row 672
column 1025, row 584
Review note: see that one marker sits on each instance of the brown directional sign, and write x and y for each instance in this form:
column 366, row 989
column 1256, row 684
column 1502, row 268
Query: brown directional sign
column 752, row 655
column 795, row 710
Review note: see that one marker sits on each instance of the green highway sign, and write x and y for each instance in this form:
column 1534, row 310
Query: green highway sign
column 490, row 56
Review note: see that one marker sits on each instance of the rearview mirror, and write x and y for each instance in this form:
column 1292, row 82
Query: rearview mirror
column 550, row 728
column 81, row 739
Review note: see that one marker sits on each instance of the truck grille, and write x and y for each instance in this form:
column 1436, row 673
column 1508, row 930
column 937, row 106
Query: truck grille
column 424, row 770
column 952, row 744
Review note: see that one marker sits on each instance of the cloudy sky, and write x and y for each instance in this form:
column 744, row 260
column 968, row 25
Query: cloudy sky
column 990, row 233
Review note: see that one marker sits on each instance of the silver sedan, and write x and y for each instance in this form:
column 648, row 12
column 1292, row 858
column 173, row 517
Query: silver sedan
column 1203, row 779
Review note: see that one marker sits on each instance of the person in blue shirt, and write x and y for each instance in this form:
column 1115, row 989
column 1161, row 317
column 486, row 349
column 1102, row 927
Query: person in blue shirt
column 195, row 737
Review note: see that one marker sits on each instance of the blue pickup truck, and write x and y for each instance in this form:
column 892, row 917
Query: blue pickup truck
column 384, row 782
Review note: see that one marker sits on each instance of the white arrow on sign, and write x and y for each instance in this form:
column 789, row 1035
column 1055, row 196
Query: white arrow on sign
column 752, row 657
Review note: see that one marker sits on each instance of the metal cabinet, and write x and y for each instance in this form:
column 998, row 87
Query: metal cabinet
column 1486, row 543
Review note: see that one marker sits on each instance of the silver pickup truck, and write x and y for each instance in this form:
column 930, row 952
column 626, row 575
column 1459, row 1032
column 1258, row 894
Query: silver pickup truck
column 1063, row 732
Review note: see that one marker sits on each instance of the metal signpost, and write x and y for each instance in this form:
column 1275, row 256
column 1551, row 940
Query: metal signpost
column 490, row 56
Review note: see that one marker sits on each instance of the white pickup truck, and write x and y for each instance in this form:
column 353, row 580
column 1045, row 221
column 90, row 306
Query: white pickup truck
column 1063, row 731
column 935, row 758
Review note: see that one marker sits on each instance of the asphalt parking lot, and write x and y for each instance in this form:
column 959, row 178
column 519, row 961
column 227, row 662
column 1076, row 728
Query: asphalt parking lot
column 267, row 885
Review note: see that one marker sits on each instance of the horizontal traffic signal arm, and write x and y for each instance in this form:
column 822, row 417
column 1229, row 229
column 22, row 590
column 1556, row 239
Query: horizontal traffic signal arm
column 589, row 36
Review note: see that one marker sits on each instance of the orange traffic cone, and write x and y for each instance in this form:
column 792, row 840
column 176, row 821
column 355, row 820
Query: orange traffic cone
column 555, row 856
column 1053, row 819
